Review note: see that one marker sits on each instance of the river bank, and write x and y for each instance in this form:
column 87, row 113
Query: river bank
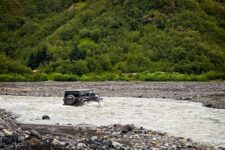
column 17, row 136
column 210, row 94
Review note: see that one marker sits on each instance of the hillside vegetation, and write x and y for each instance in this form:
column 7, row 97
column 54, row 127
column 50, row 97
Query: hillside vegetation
column 76, row 39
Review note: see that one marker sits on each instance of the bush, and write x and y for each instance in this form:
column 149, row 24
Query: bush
column 39, row 77
column 162, row 76
column 215, row 76
column 12, row 78
column 63, row 77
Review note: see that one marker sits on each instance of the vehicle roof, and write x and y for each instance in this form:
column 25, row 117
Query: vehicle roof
column 78, row 90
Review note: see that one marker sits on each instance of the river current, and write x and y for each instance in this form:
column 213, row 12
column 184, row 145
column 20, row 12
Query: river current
column 178, row 118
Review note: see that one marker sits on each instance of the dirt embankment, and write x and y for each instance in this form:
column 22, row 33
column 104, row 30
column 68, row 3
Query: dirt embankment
column 210, row 94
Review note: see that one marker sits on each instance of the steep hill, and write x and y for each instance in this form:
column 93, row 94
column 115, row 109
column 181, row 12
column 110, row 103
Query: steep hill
column 128, row 36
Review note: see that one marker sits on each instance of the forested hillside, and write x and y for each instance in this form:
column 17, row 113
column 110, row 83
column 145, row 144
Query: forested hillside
column 79, row 37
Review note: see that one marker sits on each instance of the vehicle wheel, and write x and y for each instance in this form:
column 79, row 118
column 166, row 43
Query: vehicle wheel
column 82, row 102
column 99, row 100
column 69, row 100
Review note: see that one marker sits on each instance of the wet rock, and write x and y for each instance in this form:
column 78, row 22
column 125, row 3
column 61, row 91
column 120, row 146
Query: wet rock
column 35, row 133
column 1, row 127
column 81, row 145
column 94, row 138
column 93, row 146
column 7, row 132
column 127, row 128
column 45, row 117
column 10, row 121
column 34, row 141
column 62, row 143
column 140, row 96
column 116, row 133
column 2, row 122
column 117, row 144
column 8, row 140
column 2, row 134
column 26, row 136
column 21, row 138
column 55, row 142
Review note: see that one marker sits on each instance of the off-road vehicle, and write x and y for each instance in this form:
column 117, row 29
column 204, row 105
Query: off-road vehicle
column 78, row 97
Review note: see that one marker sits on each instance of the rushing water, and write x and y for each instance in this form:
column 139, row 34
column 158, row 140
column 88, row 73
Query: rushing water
column 179, row 118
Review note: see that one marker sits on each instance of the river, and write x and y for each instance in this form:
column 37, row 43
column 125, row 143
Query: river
column 178, row 118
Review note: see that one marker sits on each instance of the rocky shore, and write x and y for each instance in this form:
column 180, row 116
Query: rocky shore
column 118, row 137
column 210, row 94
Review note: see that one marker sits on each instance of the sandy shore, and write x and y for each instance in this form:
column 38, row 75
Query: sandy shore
column 210, row 94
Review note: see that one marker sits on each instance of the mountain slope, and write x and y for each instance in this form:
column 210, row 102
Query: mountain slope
column 122, row 35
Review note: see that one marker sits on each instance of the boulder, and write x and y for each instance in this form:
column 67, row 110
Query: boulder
column 35, row 133
column 93, row 146
column 81, row 146
column 45, row 117
column 94, row 138
column 117, row 144
column 127, row 128
column 7, row 140
column 2, row 134
column 1, row 127
column 7, row 132
column 21, row 138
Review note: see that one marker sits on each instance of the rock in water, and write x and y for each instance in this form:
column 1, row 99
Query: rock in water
column 45, row 117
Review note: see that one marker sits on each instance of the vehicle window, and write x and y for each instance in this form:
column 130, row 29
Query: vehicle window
column 91, row 93
column 86, row 93
column 82, row 93
column 76, row 94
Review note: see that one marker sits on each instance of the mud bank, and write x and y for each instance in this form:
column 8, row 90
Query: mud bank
column 210, row 94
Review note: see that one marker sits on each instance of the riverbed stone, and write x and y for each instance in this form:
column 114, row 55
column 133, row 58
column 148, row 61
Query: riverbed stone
column 45, row 117
column 93, row 146
column 55, row 142
column 2, row 127
column 94, row 138
column 2, row 134
column 2, row 122
column 81, row 145
column 7, row 132
column 7, row 140
column 117, row 144
column 35, row 133
column 21, row 138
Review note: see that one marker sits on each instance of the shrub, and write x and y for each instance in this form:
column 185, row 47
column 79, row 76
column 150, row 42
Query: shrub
column 63, row 77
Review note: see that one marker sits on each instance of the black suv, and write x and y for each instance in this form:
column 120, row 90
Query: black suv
column 78, row 97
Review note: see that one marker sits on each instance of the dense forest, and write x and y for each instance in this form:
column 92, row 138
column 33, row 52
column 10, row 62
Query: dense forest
column 112, row 39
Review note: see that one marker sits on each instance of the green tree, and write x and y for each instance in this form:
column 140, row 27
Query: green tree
column 77, row 53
